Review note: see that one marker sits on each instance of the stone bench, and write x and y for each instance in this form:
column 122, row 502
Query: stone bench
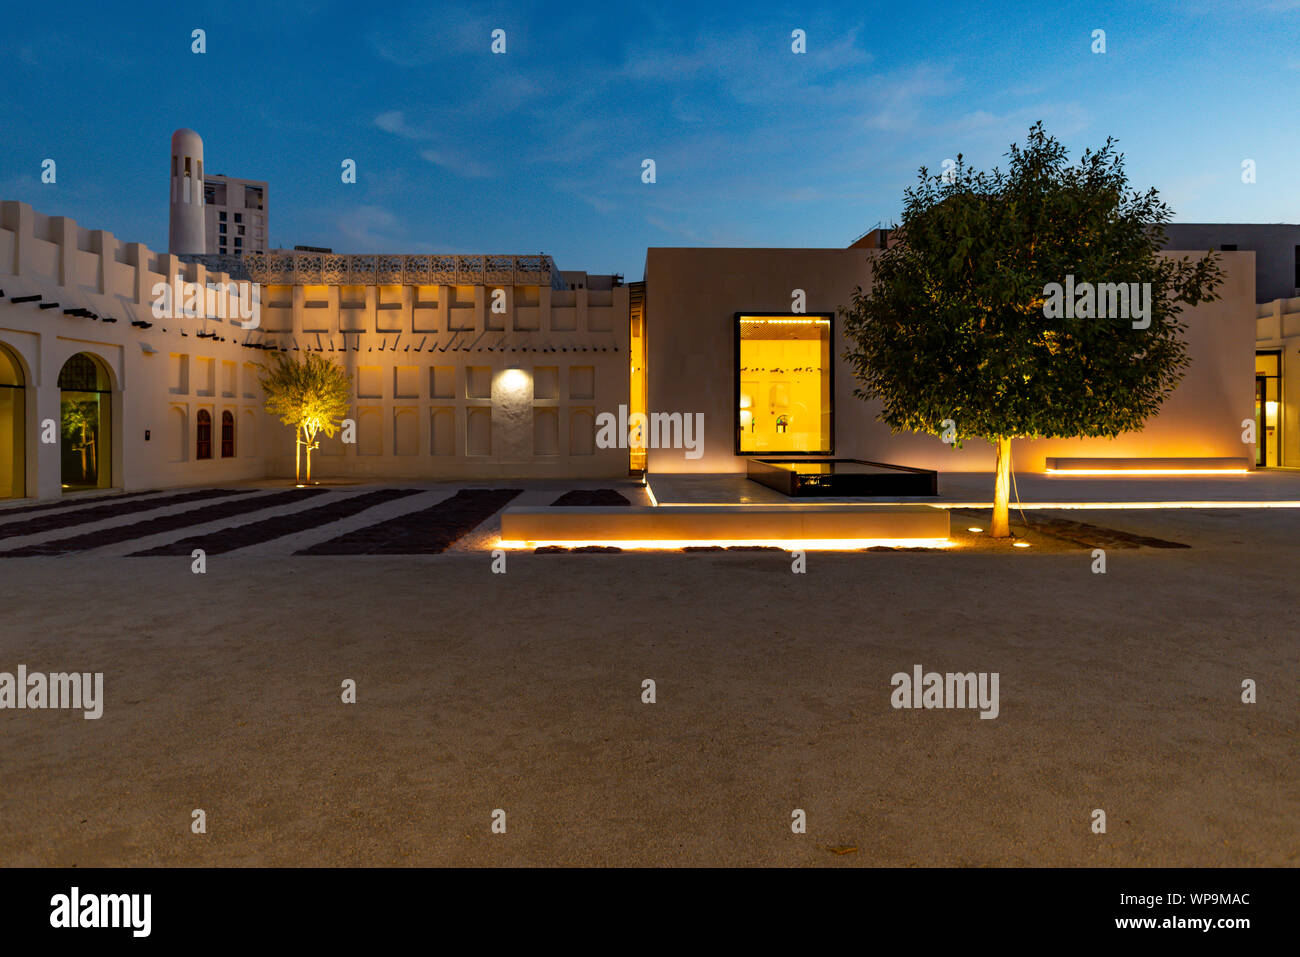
column 832, row 525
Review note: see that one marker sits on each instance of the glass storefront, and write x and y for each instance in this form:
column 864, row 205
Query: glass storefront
column 784, row 382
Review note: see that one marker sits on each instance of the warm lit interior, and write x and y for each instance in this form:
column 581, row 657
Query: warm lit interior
column 636, row 400
column 12, row 420
column 1268, row 435
column 783, row 370
column 85, row 408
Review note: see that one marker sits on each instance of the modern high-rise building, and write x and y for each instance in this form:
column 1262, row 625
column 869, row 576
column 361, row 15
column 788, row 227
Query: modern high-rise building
column 236, row 216
column 212, row 215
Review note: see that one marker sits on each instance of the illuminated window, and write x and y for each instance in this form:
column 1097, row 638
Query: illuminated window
column 1268, row 379
column 13, row 447
column 784, row 381
column 85, row 403
column 637, row 378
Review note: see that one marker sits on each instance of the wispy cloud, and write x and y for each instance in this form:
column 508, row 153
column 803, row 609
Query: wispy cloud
column 455, row 163
column 394, row 121
column 428, row 37
column 375, row 229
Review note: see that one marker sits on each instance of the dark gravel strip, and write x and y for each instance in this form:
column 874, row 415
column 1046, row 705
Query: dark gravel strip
column 592, row 498
column 71, row 503
column 164, row 523
column 1079, row 533
column 255, row 533
column 83, row 516
column 426, row 532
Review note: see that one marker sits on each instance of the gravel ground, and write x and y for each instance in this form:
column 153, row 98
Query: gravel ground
column 522, row 691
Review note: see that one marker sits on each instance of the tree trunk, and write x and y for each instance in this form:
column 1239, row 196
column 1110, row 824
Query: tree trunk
column 297, row 457
column 1002, row 490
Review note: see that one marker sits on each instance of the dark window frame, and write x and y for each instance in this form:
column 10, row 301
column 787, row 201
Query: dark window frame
column 203, row 435
column 227, row 434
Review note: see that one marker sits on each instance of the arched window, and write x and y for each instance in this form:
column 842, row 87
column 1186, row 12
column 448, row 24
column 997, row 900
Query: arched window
column 227, row 435
column 203, row 444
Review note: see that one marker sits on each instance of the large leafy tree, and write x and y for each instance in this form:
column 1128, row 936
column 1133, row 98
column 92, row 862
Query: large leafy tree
column 312, row 395
column 959, row 337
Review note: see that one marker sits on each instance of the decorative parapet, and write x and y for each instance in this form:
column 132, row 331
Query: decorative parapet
column 232, row 266
column 309, row 268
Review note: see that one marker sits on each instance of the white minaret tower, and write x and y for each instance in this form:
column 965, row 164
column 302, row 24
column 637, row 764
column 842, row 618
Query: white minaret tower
column 186, row 233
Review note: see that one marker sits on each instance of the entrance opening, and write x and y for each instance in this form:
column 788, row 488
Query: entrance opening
column 13, row 427
column 784, row 384
column 1268, row 369
column 636, row 393
column 85, row 402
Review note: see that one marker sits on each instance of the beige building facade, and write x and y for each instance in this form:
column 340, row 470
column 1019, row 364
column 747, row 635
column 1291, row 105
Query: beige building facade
column 481, row 367
column 696, row 298
column 462, row 366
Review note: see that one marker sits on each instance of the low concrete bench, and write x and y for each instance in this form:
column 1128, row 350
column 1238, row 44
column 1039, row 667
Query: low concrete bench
column 793, row 523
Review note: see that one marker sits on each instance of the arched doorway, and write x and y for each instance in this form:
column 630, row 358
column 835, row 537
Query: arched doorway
column 85, row 402
column 13, row 426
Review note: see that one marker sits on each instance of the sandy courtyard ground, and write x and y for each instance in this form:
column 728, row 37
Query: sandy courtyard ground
column 522, row 691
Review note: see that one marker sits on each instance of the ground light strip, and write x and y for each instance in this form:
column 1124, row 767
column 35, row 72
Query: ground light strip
column 1127, row 472
column 1119, row 505
column 816, row 544
column 1024, row 505
column 1237, row 503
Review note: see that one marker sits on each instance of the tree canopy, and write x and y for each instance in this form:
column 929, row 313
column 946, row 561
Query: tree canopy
column 312, row 395
column 954, row 326
column 1031, row 302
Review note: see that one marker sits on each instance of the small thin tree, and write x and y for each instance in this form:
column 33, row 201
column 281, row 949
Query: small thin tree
column 80, row 426
column 957, row 336
column 312, row 395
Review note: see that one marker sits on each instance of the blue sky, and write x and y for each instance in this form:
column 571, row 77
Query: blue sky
column 540, row 149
